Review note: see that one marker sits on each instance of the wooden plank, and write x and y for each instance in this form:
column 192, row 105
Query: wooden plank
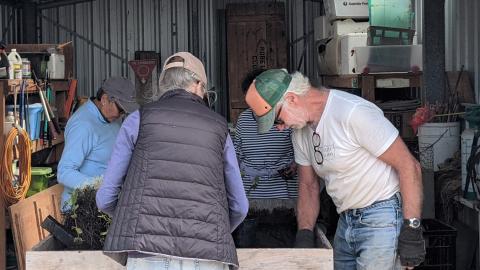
column 256, row 39
column 286, row 259
column 249, row 259
column 37, row 145
column 3, row 239
column 72, row 260
column 341, row 81
column 57, row 86
column 27, row 216
column 368, row 88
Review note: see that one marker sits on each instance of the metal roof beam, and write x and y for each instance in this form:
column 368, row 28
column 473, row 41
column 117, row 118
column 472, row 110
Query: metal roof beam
column 56, row 4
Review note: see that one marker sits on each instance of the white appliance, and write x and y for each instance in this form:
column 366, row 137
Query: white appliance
column 322, row 28
column 56, row 66
column 339, row 54
column 347, row 26
column 344, row 9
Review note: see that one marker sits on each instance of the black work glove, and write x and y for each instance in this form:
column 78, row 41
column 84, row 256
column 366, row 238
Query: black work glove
column 304, row 239
column 411, row 246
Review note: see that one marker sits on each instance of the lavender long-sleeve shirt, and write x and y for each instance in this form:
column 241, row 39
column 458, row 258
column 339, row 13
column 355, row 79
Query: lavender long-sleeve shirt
column 107, row 194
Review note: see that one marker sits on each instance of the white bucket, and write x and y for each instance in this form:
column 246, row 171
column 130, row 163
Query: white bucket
column 438, row 142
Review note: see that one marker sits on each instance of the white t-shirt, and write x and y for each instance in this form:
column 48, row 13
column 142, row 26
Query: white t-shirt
column 353, row 133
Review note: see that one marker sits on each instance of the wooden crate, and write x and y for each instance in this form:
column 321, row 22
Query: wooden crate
column 27, row 217
column 43, row 258
column 401, row 120
column 256, row 38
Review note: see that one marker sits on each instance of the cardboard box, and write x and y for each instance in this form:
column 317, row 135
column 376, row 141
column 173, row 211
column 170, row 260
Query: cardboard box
column 344, row 9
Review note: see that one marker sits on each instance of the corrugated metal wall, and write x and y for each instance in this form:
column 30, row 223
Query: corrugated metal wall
column 10, row 24
column 107, row 33
column 462, row 39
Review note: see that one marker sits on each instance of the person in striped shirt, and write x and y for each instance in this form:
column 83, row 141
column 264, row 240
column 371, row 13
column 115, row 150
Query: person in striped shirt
column 266, row 160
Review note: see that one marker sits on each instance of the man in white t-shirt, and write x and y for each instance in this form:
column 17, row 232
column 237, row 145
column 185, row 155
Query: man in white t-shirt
column 347, row 141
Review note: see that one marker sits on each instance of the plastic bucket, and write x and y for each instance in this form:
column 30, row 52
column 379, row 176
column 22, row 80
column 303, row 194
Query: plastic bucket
column 40, row 177
column 34, row 118
column 438, row 142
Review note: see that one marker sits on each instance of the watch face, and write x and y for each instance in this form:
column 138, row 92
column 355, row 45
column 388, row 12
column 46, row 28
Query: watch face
column 414, row 222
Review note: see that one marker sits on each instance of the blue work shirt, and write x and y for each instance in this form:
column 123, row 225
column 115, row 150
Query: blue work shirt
column 107, row 194
column 89, row 140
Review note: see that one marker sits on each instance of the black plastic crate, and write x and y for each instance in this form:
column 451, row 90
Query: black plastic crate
column 440, row 243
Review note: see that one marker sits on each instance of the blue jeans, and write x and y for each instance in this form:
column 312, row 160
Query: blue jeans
column 366, row 238
column 167, row 263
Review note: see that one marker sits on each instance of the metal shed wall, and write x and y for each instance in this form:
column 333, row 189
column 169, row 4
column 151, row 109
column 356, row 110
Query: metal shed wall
column 107, row 33
column 10, row 24
column 462, row 38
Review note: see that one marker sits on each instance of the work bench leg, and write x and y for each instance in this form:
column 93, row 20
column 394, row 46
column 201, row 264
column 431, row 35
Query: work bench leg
column 368, row 88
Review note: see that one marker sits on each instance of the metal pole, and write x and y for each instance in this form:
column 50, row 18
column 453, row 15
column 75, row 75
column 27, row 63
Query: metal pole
column 434, row 50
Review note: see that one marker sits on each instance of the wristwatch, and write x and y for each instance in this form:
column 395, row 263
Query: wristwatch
column 413, row 223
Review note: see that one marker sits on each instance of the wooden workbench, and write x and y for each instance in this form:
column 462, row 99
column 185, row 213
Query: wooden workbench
column 368, row 82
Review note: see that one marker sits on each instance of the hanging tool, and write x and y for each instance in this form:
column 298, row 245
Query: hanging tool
column 51, row 127
column 50, row 112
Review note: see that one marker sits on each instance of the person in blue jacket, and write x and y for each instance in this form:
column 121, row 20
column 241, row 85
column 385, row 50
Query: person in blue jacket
column 90, row 134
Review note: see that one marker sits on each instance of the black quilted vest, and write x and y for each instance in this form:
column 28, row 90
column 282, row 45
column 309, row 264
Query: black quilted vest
column 173, row 201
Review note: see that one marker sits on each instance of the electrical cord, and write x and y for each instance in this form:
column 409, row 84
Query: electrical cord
column 13, row 192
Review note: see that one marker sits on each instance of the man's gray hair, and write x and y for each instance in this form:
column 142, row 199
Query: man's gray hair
column 176, row 78
column 298, row 85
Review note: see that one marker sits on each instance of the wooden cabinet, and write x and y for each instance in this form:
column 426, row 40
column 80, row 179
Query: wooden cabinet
column 256, row 39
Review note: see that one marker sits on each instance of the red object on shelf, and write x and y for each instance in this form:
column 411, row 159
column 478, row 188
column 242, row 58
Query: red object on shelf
column 72, row 90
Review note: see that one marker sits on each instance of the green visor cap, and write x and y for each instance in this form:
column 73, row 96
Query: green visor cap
column 271, row 85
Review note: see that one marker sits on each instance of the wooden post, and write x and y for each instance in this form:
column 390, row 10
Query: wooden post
column 3, row 238
column 368, row 87
column 3, row 227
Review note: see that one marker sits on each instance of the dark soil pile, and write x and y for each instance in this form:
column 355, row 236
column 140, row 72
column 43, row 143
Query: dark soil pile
column 267, row 229
column 85, row 221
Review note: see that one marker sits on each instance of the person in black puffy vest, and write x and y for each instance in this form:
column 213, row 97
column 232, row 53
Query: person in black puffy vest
column 173, row 186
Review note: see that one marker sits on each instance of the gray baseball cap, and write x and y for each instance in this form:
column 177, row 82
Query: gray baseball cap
column 122, row 91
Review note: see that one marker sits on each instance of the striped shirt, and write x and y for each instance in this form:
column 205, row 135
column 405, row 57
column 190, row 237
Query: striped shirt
column 261, row 156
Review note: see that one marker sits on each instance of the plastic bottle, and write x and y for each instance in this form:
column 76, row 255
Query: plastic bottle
column 9, row 122
column 26, row 68
column 10, row 117
column 15, row 64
